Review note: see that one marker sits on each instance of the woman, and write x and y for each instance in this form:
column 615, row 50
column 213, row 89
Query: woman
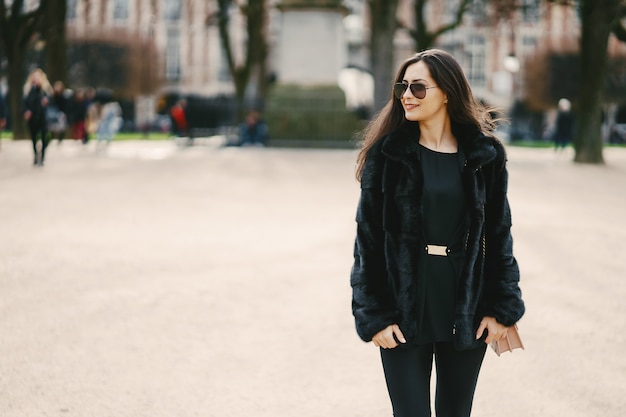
column 36, row 92
column 434, row 274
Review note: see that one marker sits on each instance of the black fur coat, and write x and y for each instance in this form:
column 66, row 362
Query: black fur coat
column 388, row 219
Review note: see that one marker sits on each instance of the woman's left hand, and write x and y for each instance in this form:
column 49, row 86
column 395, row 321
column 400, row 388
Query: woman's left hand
column 495, row 330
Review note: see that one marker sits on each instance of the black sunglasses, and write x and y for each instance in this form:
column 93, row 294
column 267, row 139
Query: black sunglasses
column 418, row 89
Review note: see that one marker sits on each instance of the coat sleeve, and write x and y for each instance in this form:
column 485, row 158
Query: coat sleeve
column 372, row 304
column 502, row 296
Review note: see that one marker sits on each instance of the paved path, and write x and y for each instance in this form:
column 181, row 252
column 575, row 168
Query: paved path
column 150, row 280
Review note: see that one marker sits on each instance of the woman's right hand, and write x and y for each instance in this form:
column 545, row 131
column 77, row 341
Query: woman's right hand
column 27, row 115
column 385, row 338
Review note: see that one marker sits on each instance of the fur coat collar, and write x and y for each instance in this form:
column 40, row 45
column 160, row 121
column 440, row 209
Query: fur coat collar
column 403, row 144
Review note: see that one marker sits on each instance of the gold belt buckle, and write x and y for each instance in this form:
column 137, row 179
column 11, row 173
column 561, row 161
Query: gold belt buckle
column 437, row 250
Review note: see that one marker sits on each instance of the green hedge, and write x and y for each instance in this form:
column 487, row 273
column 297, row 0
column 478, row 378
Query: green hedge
column 310, row 114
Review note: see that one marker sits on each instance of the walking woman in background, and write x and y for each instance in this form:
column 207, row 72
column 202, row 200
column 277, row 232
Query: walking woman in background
column 434, row 274
column 37, row 89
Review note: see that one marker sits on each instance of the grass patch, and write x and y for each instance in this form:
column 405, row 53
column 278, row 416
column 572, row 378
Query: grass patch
column 548, row 144
column 142, row 136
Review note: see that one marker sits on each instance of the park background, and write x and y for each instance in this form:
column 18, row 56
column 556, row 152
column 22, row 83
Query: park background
column 320, row 69
column 153, row 279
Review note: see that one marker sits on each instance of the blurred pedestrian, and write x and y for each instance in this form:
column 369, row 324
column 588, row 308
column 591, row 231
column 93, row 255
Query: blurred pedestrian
column 3, row 113
column 37, row 90
column 178, row 114
column 57, row 112
column 253, row 131
column 110, row 121
column 434, row 273
column 78, row 114
column 93, row 114
column 564, row 125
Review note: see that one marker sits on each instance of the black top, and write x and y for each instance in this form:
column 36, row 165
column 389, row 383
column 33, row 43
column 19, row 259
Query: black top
column 444, row 221
column 33, row 102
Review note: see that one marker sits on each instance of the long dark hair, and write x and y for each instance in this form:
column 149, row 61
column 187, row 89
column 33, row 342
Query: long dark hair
column 462, row 107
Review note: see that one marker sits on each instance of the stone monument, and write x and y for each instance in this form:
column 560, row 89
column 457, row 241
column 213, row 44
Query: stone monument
column 312, row 47
column 306, row 103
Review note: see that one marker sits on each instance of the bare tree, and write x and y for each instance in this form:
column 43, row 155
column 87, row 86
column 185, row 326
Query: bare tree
column 383, row 24
column 56, row 42
column 253, row 68
column 18, row 24
column 599, row 19
column 424, row 36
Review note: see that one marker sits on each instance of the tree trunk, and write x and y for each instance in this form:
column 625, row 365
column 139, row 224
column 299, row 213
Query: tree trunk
column 256, row 50
column 424, row 36
column 15, row 58
column 383, row 28
column 597, row 19
column 16, row 30
column 56, row 43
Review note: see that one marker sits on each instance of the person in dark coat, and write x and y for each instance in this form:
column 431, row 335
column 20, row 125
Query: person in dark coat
column 36, row 99
column 434, row 274
column 564, row 125
column 78, row 115
column 253, row 131
column 58, row 112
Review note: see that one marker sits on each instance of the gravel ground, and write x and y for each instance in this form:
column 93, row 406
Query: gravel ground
column 152, row 280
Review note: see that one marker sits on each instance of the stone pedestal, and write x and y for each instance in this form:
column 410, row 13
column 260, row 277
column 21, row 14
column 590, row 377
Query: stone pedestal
column 312, row 47
column 306, row 104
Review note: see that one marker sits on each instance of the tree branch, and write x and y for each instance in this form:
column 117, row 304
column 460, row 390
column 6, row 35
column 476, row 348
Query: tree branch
column 223, row 21
column 460, row 12
column 17, row 29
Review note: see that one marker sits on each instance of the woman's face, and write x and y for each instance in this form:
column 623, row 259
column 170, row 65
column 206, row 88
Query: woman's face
column 432, row 106
column 36, row 79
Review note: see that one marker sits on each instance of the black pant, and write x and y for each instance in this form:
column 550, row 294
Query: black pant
column 408, row 371
column 36, row 131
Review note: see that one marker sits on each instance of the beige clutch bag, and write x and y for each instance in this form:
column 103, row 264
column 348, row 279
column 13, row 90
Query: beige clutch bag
column 508, row 343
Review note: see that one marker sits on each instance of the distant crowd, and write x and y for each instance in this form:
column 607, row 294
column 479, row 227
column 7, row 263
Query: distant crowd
column 52, row 111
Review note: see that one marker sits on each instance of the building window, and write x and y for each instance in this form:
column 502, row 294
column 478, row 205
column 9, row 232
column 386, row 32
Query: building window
column 530, row 11
column 529, row 42
column 529, row 45
column 172, row 55
column 477, row 57
column 172, row 10
column 448, row 10
column 120, row 10
column 478, row 11
column 71, row 9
